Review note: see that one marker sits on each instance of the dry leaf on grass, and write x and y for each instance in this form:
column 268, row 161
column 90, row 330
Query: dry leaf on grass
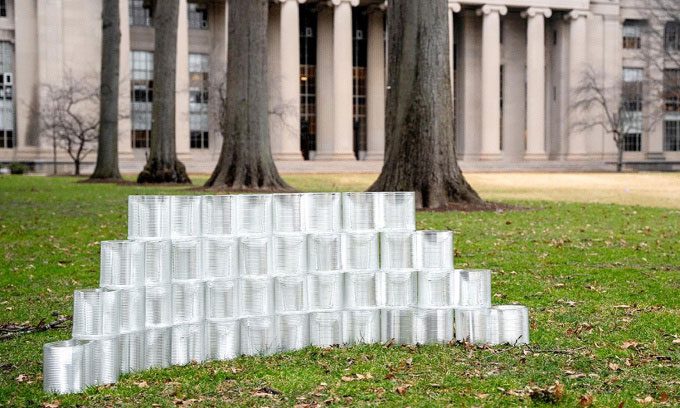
column 552, row 394
column 585, row 400
column 401, row 390
column 629, row 344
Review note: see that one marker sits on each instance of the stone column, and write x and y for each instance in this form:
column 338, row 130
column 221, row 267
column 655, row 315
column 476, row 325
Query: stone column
column 124, row 99
column 536, row 82
column 491, row 84
column 577, row 64
column 453, row 8
column 375, row 85
column 289, row 82
column 324, row 84
column 182, row 84
column 343, row 141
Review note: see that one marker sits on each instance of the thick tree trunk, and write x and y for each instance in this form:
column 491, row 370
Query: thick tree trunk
column 419, row 152
column 246, row 161
column 107, row 148
column 162, row 165
column 76, row 163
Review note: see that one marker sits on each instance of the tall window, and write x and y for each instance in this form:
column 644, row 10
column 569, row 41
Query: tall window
column 671, row 89
column 6, row 95
column 632, row 34
column 142, row 97
column 632, row 105
column 3, row 8
column 199, row 68
column 307, row 81
column 140, row 14
column 360, row 62
column 672, row 36
column 198, row 16
column 671, row 137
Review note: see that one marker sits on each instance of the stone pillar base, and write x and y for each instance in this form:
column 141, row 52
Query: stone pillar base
column 288, row 156
column 535, row 156
column 377, row 156
column 490, row 156
column 334, row 156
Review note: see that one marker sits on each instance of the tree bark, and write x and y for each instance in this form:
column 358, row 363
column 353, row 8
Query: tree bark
column 420, row 153
column 162, row 165
column 107, row 147
column 246, row 161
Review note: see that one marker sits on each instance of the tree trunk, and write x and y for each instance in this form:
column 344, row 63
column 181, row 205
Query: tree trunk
column 76, row 163
column 162, row 165
column 619, row 156
column 107, row 148
column 419, row 153
column 246, row 161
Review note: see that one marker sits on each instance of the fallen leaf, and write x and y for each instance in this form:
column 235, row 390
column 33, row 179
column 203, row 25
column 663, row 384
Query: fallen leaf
column 22, row 378
column 142, row 384
column 621, row 307
column 266, row 392
column 347, row 378
column 482, row 396
column 553, row 394
column 613, row 366
column 663, row 397
column 53, row 404
column 629, row 344
column 676, row 341
column 401, row 390
column 586, row 400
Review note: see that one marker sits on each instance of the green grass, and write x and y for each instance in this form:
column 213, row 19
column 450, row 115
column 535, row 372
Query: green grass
column 594, row 276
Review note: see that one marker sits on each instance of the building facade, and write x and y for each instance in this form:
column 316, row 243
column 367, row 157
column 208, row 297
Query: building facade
column 514, row 67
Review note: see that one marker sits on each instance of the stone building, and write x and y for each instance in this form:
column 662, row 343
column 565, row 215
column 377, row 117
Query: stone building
column 514, row 64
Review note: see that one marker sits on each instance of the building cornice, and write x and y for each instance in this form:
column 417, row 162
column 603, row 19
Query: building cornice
column 551, row 4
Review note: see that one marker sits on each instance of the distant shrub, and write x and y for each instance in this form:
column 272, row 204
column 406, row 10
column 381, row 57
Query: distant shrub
column 18, row 168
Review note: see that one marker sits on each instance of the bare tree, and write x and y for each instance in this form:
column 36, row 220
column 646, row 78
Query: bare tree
column 245, row 159
column 107, row 151
column 69, row 117
column 620, row 108
column 162, row 165
column 420, row 153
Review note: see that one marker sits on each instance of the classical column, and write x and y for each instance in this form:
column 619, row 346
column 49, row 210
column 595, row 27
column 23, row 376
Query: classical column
column 343, row 139
column 182, row 83
column 453, row 8
column 124, row 100
column 577, row 64
column 289, row 69
column 375, row 85
column 535, row 149
column 491, row 84
column 324, row 84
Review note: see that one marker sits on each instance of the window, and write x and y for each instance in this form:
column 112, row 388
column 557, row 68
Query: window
column 632, row 142
column 3, row 8
column 140, row 13
column 198, row 16
column 671, row 137
column 199, row 68
column 142, row 97
column 671, row 89
column 632, row 34
column 632, row 89
column 672, row 36
column 6, row 95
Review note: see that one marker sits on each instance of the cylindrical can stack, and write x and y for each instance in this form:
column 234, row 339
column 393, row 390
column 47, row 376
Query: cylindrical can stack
column 215, row 277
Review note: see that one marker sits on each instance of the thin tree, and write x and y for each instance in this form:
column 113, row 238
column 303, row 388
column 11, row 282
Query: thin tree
column 69, row 118
column 419, row 153
column 107, row 149
column 246, row 161
column 615, row 106
column 162, row 165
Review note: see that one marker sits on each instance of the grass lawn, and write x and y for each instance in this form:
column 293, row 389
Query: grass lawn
column 602, row 282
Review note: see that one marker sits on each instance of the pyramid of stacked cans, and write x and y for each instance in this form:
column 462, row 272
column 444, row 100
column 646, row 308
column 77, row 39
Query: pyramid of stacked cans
column 214, row 277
